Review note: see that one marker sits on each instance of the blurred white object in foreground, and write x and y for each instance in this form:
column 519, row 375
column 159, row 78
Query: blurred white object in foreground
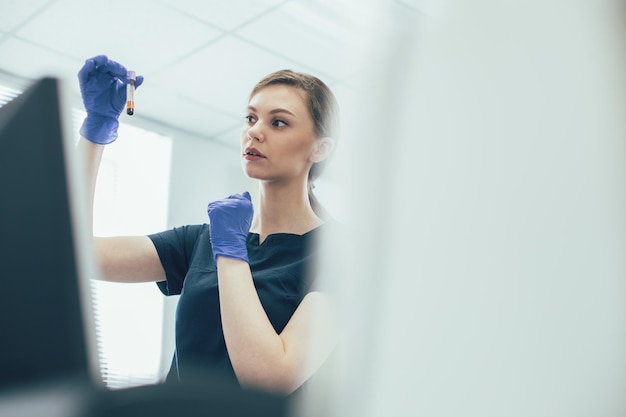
column 488, row 180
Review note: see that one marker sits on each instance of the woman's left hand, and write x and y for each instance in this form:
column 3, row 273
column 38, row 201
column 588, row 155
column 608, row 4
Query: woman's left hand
column 229, row 224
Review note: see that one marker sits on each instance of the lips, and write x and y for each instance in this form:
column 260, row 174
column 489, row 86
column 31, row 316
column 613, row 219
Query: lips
column 253, row 152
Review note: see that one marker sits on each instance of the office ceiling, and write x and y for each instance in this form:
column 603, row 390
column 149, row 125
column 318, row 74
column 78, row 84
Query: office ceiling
column 199, row 57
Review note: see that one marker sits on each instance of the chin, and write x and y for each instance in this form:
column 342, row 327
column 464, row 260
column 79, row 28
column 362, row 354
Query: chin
column 250, row 173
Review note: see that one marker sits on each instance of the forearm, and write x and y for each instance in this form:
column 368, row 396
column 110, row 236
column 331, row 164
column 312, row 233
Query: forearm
column 125, row 258
column 91, row 154
column 259, row 356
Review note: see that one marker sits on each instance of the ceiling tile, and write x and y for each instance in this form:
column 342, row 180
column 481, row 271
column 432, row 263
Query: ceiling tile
column 169, row 108
column 319, row 35
column 200, row 58
column 223, row 14
column 13, row 13
column 146, row 34
column 222, row 75
column 32, row 61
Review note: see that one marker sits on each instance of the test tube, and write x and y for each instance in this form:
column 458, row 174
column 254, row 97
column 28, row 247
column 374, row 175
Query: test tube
column 130, row 93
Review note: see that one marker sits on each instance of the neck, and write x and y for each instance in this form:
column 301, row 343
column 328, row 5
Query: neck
column 283, row 208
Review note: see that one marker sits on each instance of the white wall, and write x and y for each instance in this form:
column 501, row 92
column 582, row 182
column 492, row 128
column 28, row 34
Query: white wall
column 490, row 204
column 202, row 171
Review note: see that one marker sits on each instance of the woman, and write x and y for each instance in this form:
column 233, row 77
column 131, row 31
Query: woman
column 249, row 308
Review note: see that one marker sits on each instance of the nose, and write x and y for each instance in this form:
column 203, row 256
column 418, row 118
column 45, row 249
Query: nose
column 256, row 133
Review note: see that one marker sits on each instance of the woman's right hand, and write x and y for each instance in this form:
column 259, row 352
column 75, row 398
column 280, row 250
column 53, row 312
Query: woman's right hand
column 103, row 90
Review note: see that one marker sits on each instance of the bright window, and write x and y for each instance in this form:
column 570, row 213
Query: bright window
column 131, row 199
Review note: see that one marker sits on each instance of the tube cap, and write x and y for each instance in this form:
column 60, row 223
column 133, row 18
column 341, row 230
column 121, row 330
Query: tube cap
column 131, row 76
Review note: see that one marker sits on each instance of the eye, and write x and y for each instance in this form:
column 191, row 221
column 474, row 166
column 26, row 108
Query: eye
column 250, row 119
column 279, row 123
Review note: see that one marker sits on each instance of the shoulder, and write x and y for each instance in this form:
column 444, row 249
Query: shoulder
column 186, row 232
column 179, row 240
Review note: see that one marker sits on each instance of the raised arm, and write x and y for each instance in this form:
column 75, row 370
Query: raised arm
column 102, row 84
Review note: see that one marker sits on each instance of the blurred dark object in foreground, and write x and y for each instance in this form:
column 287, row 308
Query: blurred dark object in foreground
column 79, row 398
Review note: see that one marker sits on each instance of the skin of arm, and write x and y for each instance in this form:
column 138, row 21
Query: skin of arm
column 260, row 357
column 125, row 258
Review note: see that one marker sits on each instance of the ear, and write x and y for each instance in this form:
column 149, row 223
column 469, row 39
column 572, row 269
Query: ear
column 323, row 147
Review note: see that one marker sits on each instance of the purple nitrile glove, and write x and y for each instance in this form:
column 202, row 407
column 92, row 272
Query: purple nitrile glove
column 229, row 223
column 103, row 90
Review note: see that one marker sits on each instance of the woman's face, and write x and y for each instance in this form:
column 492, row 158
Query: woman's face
column 278, row 139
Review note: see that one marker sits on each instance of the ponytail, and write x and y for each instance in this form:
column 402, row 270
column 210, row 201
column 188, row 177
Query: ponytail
column 317, row 207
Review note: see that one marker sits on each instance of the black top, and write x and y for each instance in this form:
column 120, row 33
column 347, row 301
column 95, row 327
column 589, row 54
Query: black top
column 283, row 270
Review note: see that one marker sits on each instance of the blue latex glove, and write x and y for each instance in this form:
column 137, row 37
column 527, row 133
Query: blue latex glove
column 229, row 223
column 103, row 89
